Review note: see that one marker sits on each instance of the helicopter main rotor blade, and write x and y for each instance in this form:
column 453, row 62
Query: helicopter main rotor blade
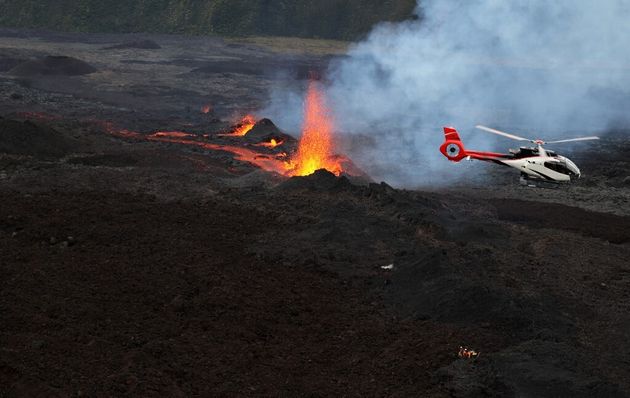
column 573, row 139
column 504, row 134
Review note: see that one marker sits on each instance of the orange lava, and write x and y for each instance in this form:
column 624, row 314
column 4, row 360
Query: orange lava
column 172, row 134
column 206, row 109
column 242, row 128
column 315, row 150
column 275, row 163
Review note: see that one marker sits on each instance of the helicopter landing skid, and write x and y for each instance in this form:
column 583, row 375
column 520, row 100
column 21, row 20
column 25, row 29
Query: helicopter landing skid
column 537, row 183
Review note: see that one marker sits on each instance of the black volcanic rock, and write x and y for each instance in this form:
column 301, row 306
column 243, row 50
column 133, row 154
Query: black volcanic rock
column 53, row 66
column 321, row 180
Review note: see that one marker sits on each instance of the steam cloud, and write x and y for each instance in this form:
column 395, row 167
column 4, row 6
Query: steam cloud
column 539, row 68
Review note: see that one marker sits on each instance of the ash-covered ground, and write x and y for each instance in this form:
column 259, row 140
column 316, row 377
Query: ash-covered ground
column 136, row 267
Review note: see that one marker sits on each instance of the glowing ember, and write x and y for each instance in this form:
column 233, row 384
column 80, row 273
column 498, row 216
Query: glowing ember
column 242, row 128
column 315, row 150
column 271, row 144
column 206, row 109
column 465, row 353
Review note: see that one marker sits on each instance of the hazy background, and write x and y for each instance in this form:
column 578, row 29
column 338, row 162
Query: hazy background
column 542, row 69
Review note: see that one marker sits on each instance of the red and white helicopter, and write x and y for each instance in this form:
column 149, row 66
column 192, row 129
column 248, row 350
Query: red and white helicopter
column 536, row 164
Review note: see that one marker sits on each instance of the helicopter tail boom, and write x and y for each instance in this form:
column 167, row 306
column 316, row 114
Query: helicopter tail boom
column 454, row 150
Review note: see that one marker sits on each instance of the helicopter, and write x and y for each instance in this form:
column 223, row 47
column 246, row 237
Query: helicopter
column 535, row 164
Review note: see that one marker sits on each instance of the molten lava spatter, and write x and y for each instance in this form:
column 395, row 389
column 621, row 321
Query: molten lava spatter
column 243, row 127
column 315, row 150
column 271, row 144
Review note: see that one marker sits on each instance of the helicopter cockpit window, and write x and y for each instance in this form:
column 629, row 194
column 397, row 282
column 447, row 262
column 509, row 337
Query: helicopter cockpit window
column 558, row 167
column 524, row 152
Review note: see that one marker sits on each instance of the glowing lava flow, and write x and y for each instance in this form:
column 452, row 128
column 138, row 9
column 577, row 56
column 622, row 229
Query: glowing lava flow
column 243, row 128
column 275, row 163
column 316, row 145
column 172, row 134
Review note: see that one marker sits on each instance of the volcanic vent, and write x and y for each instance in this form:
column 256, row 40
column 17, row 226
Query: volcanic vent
column 261, row 144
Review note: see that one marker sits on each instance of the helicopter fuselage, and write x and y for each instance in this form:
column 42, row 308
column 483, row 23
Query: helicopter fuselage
column 549, row 168
column 533, row 163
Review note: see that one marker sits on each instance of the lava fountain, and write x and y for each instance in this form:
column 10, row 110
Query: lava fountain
column 315, row 149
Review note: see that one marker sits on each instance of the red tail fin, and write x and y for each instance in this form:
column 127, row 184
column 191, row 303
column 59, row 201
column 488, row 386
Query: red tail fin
column 452, row 148
column 451, row 134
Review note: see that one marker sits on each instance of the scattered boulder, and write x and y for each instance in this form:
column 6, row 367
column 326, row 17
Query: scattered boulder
column 138, row 44
column 53, row 66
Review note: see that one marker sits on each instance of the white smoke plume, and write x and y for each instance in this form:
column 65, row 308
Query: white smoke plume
column 538, row 68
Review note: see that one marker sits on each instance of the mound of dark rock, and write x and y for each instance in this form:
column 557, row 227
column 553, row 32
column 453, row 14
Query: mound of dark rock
column 138, row 44
column 264, row 130
column 30, row 139
column 53, row 66
column 321, row 180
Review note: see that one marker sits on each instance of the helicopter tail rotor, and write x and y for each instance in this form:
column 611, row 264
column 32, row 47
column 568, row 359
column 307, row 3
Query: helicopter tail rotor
column 453, row 147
